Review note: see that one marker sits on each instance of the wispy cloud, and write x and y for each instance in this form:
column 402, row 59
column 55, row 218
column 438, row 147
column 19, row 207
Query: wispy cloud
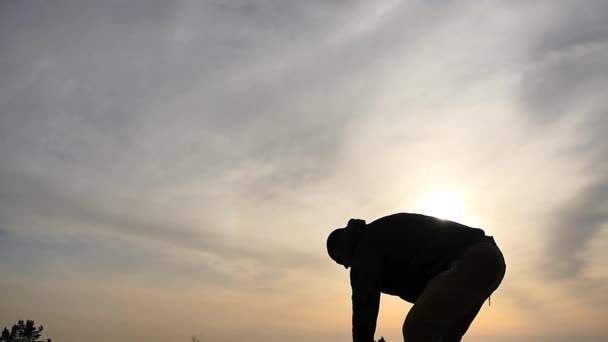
column 218, row 142
column 568, row 81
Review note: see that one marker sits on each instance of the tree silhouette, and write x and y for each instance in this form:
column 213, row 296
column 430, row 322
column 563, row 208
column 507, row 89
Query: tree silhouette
column 23, row 332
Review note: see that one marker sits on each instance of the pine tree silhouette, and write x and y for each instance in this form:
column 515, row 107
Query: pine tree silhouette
column 23, row 332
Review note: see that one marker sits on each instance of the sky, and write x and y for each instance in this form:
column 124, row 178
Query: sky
column 171, row 169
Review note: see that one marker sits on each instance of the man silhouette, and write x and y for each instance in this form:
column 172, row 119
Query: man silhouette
column 446, row 269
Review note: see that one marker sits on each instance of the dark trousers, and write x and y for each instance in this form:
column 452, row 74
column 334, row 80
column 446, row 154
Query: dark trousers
column 451, row 300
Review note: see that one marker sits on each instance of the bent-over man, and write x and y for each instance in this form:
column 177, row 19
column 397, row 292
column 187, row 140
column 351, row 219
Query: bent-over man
column 446, row 269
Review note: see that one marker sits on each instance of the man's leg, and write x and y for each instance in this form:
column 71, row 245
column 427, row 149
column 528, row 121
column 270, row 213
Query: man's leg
column 461, row 325
column 455, row 295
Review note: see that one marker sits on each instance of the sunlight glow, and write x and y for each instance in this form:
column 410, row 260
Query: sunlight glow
column 446, row 205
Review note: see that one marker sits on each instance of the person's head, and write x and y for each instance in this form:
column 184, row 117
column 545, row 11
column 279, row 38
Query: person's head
column 336, row 247
column 341, row 242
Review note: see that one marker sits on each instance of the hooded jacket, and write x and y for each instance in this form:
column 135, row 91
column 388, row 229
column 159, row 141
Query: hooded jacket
column 398, row 255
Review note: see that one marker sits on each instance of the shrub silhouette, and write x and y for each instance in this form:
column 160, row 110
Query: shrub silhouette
column 23, row 332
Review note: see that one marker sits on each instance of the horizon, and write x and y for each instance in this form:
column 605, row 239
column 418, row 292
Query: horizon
column 172, row 169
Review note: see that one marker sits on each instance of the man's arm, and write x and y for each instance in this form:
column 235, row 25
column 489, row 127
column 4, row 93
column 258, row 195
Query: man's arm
column 366, row 281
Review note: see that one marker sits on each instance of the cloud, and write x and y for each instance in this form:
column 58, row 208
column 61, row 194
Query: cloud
column 217, row 142
column 100, row 98
column 58, row 215
column 565, row 26
column 568, row 81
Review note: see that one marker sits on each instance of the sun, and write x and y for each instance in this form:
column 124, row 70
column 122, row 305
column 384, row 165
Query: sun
column 447, row 205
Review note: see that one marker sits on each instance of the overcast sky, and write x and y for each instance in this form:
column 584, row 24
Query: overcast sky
column 172, row 168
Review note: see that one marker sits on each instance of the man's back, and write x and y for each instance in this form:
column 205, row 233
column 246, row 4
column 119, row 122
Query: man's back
column 407, row 250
